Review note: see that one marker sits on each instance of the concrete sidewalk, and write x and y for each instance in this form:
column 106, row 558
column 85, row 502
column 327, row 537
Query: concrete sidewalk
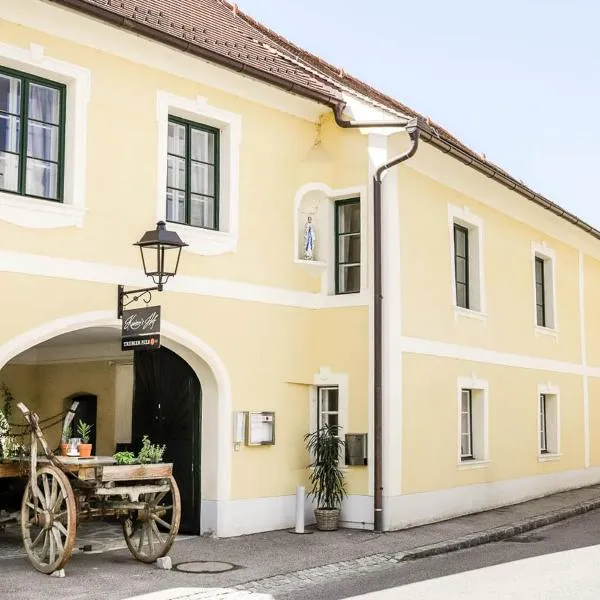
column 280, row 562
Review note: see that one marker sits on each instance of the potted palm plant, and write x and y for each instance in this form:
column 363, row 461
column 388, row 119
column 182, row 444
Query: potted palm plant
column 84, row 430
column 326, row 477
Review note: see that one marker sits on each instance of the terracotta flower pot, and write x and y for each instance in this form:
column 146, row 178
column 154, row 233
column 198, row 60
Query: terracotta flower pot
column 85, row 450
column 63, row 449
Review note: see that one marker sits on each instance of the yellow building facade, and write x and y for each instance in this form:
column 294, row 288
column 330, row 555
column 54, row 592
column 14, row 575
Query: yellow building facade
column 491, row 352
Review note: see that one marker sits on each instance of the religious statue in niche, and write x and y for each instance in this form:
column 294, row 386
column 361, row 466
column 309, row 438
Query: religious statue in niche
column 309, row 240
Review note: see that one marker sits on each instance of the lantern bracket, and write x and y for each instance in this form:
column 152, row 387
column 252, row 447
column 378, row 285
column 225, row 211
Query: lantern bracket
column 144, row 294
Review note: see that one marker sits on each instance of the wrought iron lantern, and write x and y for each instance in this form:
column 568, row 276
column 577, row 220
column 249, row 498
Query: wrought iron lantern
column 160, row 250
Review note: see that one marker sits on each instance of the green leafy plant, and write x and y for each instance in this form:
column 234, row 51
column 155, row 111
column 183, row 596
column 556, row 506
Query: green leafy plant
column 66, row 434
column 124, row 458
column 7, row 401
column 326, row 477
column 84, row 430
column 150, row 453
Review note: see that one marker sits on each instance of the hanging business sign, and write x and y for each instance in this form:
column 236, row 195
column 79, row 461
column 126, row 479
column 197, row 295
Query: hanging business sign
column 141, row 329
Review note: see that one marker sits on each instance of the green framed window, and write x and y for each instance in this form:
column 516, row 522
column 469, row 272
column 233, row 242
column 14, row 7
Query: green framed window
column 461, row 265
column 543, row 425
column 32, row 135
column 466, row 425
column 540, row 292
column 347, row 246
column 193, row 174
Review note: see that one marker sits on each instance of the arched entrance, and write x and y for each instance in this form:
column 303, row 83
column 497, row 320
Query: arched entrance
column 167, row 397
column 213, row 421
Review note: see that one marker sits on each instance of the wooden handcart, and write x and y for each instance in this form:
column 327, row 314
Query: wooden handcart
column 61, row 491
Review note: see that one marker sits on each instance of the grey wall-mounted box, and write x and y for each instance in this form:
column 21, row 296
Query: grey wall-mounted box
column 356, row 448
column 260, row 428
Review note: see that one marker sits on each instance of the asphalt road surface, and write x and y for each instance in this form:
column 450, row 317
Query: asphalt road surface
column 579, row 532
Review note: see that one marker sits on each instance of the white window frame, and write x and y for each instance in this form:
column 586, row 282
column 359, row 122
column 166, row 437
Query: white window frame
column 46, row 214
column 474, row 224
column 552, row 394
column 479, row 419
column 317, row 200
column 548, row 255
column 203, row 241
column 326, row 379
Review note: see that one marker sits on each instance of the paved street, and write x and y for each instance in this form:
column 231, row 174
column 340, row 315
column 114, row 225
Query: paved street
column 576, row 573
column 289, row 567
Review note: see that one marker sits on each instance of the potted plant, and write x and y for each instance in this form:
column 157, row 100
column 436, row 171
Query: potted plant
column 326, row 477
column 85, row 448
column 64, row 439
column 150, row 453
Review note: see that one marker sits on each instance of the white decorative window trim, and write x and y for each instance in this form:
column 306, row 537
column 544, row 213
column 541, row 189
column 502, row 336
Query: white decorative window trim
column 326, row 378
column 203, row 241
column 482, row 447
column 463, row 216
column 47, row 214
column 552, row 429
column 541, row 250
column 473, row 465
column 320, row 202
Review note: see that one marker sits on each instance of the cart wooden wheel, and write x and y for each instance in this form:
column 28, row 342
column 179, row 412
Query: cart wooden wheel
column 49, row 520
column 150, row 531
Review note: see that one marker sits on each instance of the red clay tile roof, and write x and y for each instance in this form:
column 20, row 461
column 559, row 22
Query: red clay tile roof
column 218, row 31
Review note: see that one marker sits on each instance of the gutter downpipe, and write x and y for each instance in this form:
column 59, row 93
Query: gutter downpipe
column 412, row 128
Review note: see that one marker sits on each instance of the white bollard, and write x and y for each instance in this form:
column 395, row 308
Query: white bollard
column 300, row 509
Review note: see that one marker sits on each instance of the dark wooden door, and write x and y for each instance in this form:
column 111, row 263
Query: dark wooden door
column 167, row 408
column 87, row 411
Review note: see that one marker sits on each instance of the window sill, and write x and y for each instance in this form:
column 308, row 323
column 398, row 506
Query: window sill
column 549, row 457
column 469, row 313
column 469, row 465
column 38, row 214
column 205, row 242
column 539, row 330
column 314, row 267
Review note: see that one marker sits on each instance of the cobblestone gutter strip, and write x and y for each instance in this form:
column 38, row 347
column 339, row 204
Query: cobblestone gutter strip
column 306, row 577
column 500, row 533
column 299, row 579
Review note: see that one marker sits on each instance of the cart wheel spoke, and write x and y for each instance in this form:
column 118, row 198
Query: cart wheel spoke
column 35, row 508
column 156, row 532
column 159, row 498
column 148, row 529
column 38, row 539
column 60, row 527
column 52, row 552
column 46, row 488
column 166, row 525
column 57, row 539
column 141, row 542
column 54, row 495
column 46, row 546
column 40, row 496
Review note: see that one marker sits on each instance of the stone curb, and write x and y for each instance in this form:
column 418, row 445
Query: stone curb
column 503, row 532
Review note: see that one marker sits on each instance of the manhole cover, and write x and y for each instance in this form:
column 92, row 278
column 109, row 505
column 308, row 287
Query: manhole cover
column 201, row 566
